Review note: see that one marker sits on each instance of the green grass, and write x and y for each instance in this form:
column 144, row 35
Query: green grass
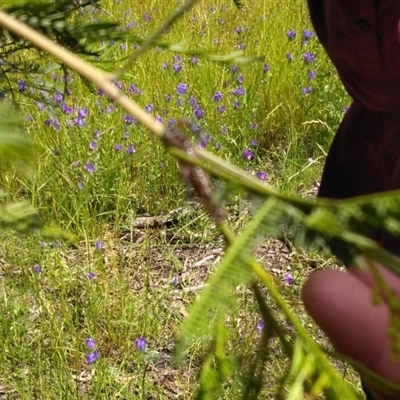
column 142, row 277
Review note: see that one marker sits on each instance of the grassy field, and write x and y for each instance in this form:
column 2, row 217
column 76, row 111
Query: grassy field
column 99, row 319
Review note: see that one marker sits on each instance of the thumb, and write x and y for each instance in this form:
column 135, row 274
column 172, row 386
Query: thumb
column 341, row 304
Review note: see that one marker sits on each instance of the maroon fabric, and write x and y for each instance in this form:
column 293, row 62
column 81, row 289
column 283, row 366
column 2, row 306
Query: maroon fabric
column 362, row 38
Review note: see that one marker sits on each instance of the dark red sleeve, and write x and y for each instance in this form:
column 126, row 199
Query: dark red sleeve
column 362, row 38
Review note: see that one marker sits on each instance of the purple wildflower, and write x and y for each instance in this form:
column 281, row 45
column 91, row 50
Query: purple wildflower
column 199, row 113
column 146, row 16
column 311, row 74
column 149, row 108
column 129, row 119
column 239, row 91
column 239, row 30
column 193, row 101
column 234, row 68
column 90, row 276
column 92, row 357
column 21, row 85
column 141, row 344
column 131, row 149
column 90, row 167
column 261, row 175
column 66, row 109
column 168, row 98
column 182, row 88
column 81, row 184
column 177, row 67
column 58, row 97
column 37, row 269
column 221, row 109
column 93, row 145
column 237, row 104
column 289, row 56
column 309, row 57
column 240, row 79
column 79, row 122
column 204, row 141
column 288, row 278
column 178, row 59
column 118, row 147
column 54, row 122
column 224, row 131
column 247, row 153
column 253, row 143
column 307, row 34
column 266, row 68
column 90, row 343
column 306, row 90
column 99, row 245
column 119, row 85
column 217, row 96
column 132, row 89
column 291, row 34
column 194, row 60
column 260, row 325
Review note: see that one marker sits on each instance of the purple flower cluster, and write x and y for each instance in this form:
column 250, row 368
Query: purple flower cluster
column 53, row 122
column 82, row 113
column 248, row 154
column 288, row 279
column 141, row 344
column 99, row 245
column 311, row 74
column 182, row 88
column 291, row 34
column 89, row 167
column 177, row 66
column 308, row 57
column 22, row 85
column 94, row 353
